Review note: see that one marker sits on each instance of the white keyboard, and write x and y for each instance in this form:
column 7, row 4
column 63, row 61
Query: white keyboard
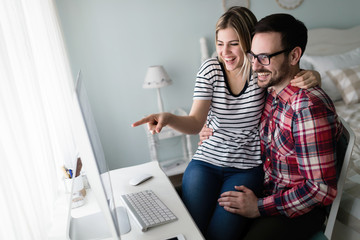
column 147, row 209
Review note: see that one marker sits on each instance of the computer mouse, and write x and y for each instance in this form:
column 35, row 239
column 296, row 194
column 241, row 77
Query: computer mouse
column 140, row 179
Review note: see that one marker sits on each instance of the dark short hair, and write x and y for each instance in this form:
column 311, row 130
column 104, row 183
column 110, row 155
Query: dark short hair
column 293, row 31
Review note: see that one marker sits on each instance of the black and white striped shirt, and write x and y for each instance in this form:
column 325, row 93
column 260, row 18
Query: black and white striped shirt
column 233, row 118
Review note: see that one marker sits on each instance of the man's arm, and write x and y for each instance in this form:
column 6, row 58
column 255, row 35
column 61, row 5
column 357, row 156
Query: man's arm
column 205, row 134
column 314, row 134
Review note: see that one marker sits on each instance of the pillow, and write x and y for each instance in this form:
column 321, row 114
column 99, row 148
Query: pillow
column 306, row 65
column 326, row 63
column 347, row 81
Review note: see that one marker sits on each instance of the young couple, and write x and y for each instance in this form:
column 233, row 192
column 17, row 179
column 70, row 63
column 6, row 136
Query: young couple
column 270, row 159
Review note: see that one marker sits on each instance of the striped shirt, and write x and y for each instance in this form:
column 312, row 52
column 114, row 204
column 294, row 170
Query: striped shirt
column 298, row 132
column 234, row 119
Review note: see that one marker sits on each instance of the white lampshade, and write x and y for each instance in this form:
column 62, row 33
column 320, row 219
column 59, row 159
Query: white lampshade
column 156, row 77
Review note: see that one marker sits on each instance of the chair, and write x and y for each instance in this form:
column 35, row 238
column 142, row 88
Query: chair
column 343, row 150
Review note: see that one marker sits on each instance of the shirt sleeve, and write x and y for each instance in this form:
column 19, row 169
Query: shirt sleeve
column 314, row 132
column 204, row 81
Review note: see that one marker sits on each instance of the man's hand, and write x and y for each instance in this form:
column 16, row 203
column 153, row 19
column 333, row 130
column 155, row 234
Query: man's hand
column 242, row 202
column 204, row 134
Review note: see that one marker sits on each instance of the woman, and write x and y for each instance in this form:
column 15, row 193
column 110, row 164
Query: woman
column 228, row 100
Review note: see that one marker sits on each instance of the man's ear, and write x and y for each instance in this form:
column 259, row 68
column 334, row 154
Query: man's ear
column 294, row 55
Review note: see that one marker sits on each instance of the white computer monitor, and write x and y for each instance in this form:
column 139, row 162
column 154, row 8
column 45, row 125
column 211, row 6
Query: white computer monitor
column 111, row 221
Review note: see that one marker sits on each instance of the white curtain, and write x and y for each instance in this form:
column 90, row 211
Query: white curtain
column 35, row 116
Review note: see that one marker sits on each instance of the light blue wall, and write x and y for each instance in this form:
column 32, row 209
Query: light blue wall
column 114, row 41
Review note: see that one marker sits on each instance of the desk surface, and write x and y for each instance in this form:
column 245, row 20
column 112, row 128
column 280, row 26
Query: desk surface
column 162, row 186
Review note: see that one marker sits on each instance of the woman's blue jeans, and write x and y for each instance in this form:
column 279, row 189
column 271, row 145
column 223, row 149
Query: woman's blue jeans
column 202, row 185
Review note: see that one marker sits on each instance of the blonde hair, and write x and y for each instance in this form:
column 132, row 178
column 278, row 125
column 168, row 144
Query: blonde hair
column 242, row 21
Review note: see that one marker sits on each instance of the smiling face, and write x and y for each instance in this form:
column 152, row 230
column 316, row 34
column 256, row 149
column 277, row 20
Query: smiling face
column 278, row 72
column 229, row 50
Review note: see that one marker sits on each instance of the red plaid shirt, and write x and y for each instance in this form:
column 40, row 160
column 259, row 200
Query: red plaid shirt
column 298, row 132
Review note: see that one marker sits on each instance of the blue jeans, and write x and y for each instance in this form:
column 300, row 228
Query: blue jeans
column 202, row 185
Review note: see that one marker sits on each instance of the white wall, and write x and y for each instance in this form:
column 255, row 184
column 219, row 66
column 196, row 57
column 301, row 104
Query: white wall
column 114, row 41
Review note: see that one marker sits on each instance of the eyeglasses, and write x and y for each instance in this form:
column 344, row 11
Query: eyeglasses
column 263, row 59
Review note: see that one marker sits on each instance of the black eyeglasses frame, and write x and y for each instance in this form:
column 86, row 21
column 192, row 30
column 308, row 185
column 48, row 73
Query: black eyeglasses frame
column 251, row 56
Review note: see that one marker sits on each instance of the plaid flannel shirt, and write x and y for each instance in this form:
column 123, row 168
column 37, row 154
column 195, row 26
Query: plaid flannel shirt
column 298, row 132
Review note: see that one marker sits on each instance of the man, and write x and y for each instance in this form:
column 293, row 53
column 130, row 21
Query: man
column 298, row 132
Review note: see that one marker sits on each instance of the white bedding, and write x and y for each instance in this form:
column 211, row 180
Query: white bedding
column 349, row 211
column 330, row 49
column 351, row 113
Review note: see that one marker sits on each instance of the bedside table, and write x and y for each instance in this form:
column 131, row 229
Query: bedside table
column 172, row 166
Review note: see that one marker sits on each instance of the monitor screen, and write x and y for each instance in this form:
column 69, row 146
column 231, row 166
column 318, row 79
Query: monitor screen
column 115, row 220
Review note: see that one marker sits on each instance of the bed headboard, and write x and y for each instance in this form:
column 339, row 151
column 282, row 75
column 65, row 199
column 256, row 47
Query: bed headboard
column 330, row 41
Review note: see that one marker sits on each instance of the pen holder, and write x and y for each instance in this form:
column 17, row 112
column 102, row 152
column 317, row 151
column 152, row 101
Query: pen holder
column 78, row 185
column 78, row 192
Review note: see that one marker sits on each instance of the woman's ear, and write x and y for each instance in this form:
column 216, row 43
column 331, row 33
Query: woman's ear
column 295, row 55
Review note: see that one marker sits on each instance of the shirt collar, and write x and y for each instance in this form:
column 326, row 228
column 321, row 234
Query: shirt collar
column 284, row 94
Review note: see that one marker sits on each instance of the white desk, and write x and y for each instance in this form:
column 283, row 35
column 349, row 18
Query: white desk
column 162, row 186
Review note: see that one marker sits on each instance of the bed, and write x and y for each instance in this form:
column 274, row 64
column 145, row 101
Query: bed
column 335, row 54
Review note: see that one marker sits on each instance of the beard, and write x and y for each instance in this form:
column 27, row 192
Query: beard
column 283, row 74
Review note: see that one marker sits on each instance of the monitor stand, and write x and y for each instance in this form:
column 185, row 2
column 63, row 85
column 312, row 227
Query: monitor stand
column 95, row 226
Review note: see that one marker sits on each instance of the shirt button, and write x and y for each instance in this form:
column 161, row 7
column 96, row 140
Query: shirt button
column 268, row 159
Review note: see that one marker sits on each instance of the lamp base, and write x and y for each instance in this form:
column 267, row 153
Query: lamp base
column 160, row 102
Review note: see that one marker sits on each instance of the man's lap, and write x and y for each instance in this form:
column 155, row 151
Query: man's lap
column 281, row 227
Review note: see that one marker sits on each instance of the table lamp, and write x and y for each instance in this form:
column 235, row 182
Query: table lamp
column 156, row 77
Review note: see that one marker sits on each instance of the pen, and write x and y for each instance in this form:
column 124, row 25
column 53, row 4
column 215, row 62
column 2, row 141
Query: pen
column 70, row 173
